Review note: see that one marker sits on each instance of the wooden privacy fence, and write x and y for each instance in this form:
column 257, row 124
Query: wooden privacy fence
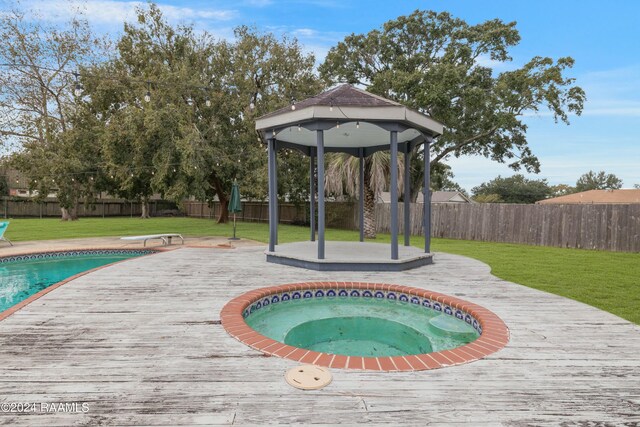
column 251, row 211
column 338, row 214
column 604, row 227
column 25, row 208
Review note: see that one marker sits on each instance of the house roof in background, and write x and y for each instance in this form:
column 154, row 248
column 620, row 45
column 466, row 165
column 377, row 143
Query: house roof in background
column 597, row 197
column 449, row 197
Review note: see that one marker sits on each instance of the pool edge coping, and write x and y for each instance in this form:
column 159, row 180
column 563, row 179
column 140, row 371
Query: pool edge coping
column 19, row 306
column 494, row 337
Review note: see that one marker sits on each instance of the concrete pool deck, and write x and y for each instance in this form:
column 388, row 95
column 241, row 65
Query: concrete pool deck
column 140, row 343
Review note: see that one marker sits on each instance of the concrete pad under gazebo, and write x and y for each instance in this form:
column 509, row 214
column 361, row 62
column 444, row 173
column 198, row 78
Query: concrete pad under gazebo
column 350, row 120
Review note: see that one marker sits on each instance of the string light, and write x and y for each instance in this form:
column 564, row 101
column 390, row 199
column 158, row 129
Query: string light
column 358, row 125
column 252, row 106
column 293, row 104
column 299, row 128
column 147, row 96
column 77, row 89
column 331, row 107
column 337, row 125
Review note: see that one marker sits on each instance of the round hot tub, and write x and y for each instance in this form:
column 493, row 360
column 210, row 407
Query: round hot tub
column 364, row 326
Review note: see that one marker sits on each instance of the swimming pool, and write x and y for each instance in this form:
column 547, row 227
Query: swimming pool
column 364, row 326
column 22, row 276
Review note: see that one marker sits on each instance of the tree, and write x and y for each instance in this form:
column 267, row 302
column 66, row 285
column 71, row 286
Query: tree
column 562, row 190
column 488, row 198
column 4, row 185
column 514, row 189
column 442, row 178
column 636, row 186
column 265, row 72
column 432, row 62
column 37, row 104
column 196, row 133
column 343, row 176
column 598, row 181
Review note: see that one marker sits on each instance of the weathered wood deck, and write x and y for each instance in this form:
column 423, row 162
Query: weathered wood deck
column 141, row 344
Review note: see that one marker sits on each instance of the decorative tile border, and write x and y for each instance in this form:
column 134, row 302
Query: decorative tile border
column 60, row 254
column 72, row 253
column 494, row 334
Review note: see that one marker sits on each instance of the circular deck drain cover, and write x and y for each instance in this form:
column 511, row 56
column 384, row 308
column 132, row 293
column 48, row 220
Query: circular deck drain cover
column 308, row 377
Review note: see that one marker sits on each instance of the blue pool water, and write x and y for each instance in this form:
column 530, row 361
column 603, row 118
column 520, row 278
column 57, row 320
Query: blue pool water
column 360, row 326
column 23, row 276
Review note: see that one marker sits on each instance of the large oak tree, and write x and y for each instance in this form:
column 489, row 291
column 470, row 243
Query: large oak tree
column 441, row 65
column 195, row 132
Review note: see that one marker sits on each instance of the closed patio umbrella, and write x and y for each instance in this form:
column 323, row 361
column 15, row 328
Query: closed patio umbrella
column 234, row 206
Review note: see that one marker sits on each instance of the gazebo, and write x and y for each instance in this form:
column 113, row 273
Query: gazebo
column 350, row 120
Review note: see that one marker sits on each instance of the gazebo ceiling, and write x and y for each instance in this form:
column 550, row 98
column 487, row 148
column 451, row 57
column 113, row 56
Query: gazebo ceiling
column 351, row 118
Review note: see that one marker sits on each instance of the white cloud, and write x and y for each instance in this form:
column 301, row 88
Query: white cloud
column 305, row 32
column 116, row 12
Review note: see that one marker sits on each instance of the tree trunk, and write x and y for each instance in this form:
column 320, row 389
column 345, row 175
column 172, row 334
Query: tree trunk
column 369, row 212
column 222, row 197
column 144, row 206
column 70, row 214
column 224, row 210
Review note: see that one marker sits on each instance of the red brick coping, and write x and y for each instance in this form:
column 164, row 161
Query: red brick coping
column 494, row 334
column 9, row 311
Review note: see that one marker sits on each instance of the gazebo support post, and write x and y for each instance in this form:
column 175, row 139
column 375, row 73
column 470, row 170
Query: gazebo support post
column 361, row 195
column 312, row 192
column 427, row 195
column 276, row 210
column 273, row 198
column 407, row 195
column 320, row 148
column 394, row 194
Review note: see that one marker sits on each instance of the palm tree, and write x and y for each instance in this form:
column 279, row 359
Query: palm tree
column 342, row 176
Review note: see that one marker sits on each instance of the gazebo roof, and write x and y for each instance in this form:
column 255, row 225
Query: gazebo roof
column 352, row 119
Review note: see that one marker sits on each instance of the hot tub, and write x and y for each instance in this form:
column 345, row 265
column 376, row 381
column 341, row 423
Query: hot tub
column 364, row 326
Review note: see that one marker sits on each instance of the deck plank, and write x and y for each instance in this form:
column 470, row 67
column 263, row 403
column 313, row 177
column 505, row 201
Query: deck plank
column 139, row 342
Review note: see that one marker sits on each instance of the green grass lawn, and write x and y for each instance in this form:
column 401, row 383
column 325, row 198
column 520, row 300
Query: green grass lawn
column 607, row 280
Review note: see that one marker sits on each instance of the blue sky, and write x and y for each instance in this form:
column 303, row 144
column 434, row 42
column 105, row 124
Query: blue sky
column 603, row 38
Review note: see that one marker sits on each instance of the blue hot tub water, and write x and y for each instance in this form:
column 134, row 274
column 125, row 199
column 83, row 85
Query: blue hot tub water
column 23, row 276
column 368, row 327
